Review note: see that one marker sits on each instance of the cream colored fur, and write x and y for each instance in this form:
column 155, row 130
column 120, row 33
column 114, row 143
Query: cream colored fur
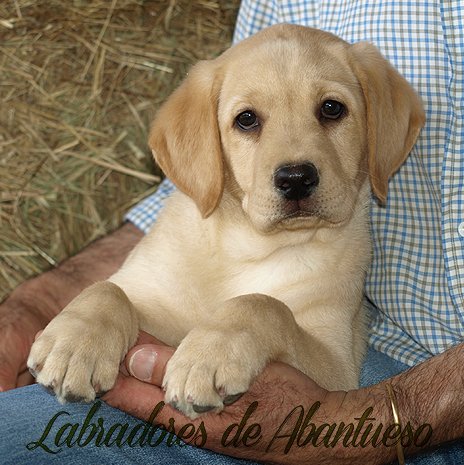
column 229, row 274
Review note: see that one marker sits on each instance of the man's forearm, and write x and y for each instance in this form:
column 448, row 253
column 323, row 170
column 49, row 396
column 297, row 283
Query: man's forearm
column 432, row 393
column 51, row 291
column 429, row 398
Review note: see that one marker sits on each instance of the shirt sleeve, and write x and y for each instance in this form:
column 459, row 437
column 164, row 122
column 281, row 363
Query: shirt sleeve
column 146, row 212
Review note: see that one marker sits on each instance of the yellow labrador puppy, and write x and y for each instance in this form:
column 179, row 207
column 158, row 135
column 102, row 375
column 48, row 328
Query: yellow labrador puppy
column 261, row 254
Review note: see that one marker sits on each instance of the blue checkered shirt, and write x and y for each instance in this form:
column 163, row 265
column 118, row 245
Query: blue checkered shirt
column 416, row 281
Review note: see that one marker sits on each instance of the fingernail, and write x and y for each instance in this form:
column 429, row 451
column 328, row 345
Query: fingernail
column 142, row 363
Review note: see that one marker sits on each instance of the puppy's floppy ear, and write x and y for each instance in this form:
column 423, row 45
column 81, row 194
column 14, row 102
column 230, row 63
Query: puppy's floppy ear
column 394, row 114
column 185, row 138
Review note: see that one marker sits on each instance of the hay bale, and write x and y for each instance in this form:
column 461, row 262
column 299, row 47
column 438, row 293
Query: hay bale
column 80, row 82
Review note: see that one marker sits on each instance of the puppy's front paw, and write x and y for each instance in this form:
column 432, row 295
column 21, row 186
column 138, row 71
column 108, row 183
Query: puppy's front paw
column 75, row 358
column 79, row 352
column 211, row 369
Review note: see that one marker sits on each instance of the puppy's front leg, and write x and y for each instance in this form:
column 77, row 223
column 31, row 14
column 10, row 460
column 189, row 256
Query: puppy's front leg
column 216, row 363
column 79, row 352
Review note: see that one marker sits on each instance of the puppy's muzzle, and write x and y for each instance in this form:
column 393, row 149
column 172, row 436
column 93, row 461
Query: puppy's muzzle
column 296, row 182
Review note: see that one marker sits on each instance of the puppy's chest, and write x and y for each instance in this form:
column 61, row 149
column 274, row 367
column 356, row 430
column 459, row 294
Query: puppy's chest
column 290, row 276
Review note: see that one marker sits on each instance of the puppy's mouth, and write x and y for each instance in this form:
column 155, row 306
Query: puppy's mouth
column 280, row 214
column 307, row 214
column 299, row 209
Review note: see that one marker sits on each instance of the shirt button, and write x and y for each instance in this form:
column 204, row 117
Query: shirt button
column 461, row 229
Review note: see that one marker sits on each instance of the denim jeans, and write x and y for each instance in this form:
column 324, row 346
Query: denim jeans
column 26, row 412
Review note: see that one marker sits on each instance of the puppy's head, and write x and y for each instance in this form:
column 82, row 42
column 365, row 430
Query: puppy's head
column 292, row 121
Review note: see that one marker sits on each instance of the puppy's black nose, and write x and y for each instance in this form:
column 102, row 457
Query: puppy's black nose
column 296, row 182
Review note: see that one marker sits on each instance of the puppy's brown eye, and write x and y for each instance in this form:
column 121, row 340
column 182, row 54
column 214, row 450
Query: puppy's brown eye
column 247, row 120
column 331, row 109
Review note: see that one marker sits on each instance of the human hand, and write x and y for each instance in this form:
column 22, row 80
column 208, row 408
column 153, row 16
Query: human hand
column 21, row 316
column 279, row 393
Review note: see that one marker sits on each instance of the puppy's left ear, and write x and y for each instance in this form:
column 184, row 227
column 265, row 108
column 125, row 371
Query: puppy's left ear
column 185, row 138
column 394, row 114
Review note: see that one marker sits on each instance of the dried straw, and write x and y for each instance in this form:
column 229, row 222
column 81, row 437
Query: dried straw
column 80, row 81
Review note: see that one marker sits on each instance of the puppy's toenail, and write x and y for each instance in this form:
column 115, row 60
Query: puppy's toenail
column 74, row 398
column 233, row 398
column 202, row 408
